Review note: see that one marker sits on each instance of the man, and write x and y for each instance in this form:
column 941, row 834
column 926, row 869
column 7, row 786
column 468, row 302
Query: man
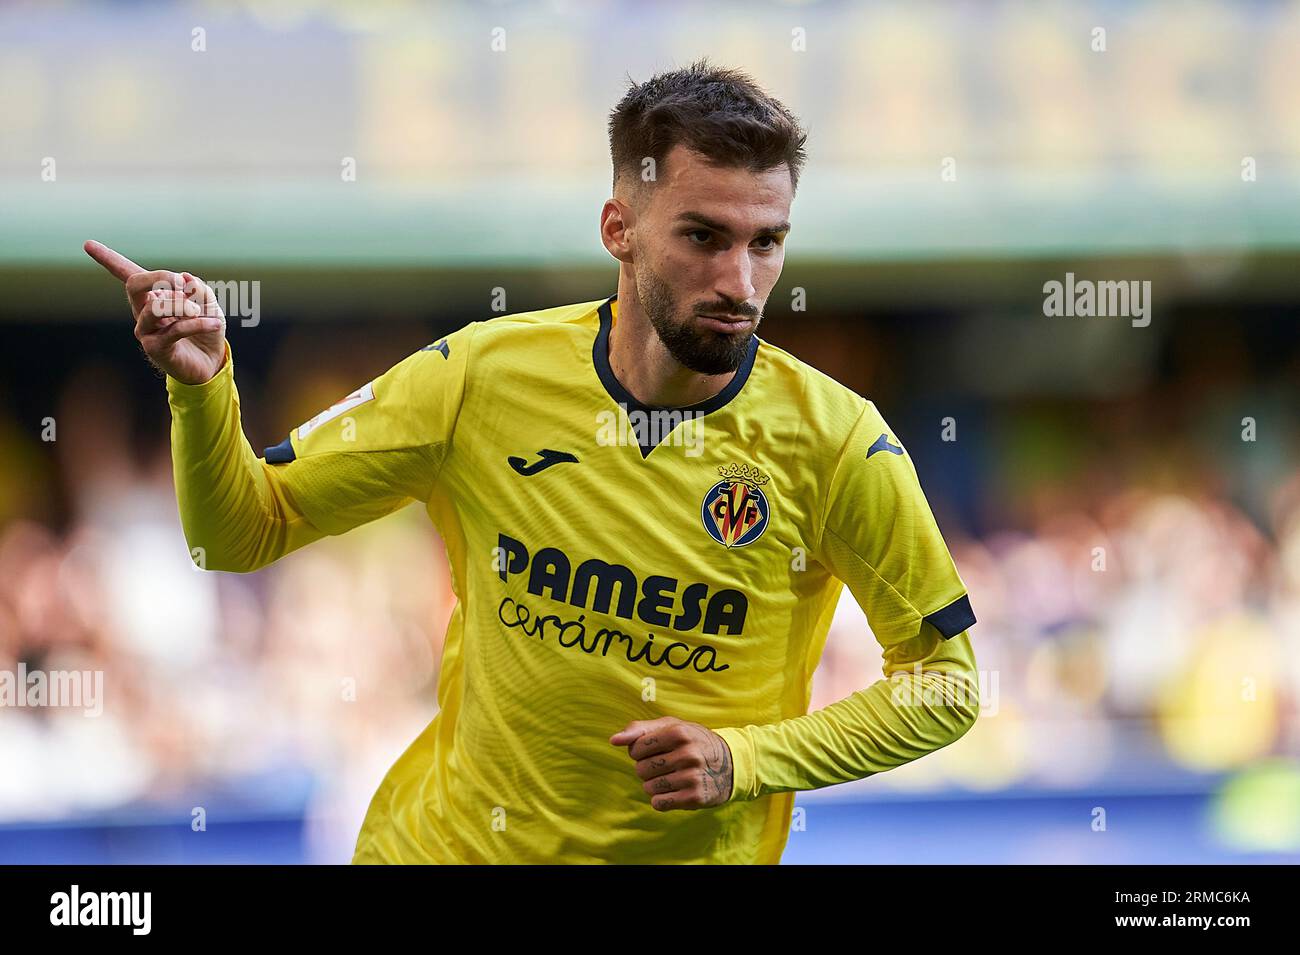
column 649, row 515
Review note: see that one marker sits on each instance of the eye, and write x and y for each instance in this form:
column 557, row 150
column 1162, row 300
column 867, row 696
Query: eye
column 697, row 232
column 772, row 241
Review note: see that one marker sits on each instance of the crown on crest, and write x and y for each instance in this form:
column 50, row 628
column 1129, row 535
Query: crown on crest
column 743, row 473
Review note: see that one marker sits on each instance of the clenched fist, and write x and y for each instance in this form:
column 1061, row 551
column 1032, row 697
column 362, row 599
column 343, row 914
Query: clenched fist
column 684, row 765
column 178, row 321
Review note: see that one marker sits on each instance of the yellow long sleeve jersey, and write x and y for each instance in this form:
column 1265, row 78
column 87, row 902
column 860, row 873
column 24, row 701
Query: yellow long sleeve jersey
column 612, row 562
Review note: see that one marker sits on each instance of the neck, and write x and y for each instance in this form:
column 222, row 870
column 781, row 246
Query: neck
column 643, row 366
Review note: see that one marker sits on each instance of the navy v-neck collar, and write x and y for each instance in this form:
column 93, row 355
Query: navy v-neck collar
column 600, row 358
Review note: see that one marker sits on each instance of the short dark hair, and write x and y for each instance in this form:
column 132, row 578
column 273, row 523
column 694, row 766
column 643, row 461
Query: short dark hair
column 720, row 113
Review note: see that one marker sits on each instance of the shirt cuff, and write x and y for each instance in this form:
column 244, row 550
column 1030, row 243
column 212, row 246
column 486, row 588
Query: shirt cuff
column 743, row 781
column 182, row 394
column 952, row 619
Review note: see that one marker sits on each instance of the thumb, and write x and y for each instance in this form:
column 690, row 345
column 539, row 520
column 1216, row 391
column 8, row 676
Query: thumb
column 636, row 729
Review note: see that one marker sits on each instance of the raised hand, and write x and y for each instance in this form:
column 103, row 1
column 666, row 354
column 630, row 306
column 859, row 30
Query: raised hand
column 178, row 321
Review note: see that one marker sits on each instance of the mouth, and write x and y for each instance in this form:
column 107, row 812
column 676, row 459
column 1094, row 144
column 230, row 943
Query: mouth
column 727, row 324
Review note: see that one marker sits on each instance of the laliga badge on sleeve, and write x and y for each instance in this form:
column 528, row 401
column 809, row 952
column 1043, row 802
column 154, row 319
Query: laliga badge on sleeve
column 363, row 394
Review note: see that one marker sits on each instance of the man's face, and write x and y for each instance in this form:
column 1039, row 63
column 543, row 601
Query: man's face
column 708, row 246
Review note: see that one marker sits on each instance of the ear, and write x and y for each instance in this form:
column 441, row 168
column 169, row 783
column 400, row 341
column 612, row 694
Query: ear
column 616, row 219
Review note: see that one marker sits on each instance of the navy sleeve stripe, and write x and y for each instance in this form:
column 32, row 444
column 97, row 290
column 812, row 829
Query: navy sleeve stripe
column 954, row 618
column 282, row 453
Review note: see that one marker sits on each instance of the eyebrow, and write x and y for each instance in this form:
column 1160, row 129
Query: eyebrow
column 719, row 227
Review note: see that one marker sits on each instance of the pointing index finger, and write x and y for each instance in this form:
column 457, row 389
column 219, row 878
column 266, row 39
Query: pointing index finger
column 119, row 265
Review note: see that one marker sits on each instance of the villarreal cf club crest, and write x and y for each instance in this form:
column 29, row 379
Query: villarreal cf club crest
column 735, row 511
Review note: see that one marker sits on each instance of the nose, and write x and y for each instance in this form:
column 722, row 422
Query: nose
column 735, row 280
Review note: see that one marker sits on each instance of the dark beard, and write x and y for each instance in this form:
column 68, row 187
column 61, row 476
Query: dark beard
column 702, row 351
